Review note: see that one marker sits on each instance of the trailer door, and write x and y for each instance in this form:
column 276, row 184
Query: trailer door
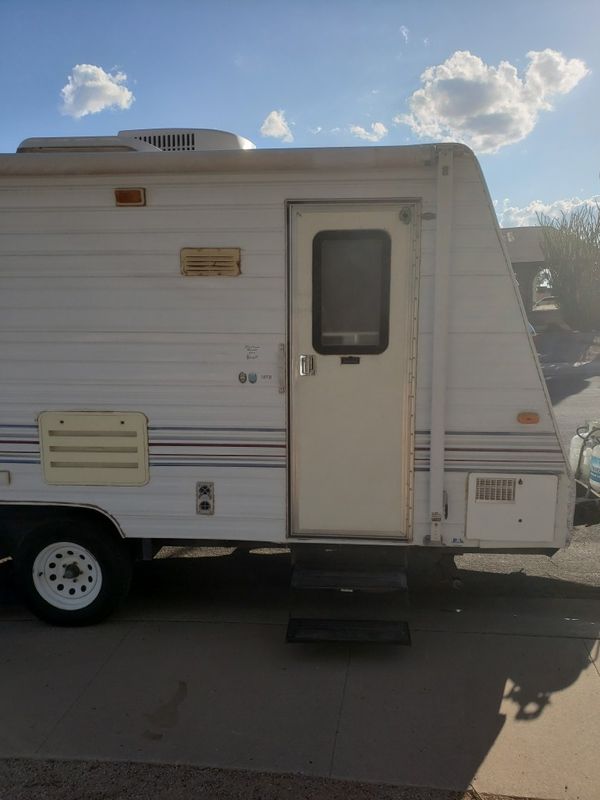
column 351, row 331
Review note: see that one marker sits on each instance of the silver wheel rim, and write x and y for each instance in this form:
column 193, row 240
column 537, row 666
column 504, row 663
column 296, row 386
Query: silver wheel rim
column 67, row 576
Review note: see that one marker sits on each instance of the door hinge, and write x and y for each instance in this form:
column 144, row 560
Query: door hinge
column 282, row 367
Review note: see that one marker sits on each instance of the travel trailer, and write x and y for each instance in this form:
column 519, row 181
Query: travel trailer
column 321, row 349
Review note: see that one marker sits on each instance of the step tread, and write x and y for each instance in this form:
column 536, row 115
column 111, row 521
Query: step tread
column 304, row 630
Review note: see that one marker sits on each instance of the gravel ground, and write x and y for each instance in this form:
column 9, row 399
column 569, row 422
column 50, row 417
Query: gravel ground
column 25, row 779
column 571, row 572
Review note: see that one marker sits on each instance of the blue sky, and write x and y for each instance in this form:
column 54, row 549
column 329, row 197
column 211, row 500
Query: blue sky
column 323, row 73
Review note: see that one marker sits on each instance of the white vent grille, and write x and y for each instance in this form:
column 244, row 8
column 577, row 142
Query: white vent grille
column 90, row 448
column 187, row 139
column 184, row 140
column 210, row 261
column 495, row 490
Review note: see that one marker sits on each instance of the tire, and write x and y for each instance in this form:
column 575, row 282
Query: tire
column 70, row 573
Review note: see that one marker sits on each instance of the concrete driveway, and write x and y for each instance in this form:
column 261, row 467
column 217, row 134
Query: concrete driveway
column 498, row 692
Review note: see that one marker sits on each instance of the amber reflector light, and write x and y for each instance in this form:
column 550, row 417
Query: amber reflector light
column 130, row 197
column 528, row 418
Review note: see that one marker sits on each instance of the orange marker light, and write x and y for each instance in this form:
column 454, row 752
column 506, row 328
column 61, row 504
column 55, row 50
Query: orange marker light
column 130, row 197
column 528, row 417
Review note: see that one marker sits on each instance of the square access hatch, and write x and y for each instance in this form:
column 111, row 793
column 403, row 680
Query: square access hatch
column 511, row 508
column 94, row 448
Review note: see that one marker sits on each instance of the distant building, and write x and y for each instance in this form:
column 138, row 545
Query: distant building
column 527, row 260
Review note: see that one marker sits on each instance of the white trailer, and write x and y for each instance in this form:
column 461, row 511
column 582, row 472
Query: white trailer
column 314, row 348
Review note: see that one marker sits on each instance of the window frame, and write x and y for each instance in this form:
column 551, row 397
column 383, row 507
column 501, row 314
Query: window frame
column 385, row 268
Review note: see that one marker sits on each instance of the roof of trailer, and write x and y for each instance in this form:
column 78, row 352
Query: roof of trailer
column 275, row 160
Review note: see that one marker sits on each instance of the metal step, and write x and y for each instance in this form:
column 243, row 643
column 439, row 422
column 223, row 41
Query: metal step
column 391, row 581
column 305, row 630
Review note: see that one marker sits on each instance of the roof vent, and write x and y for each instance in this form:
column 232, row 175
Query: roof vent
column 183, row 139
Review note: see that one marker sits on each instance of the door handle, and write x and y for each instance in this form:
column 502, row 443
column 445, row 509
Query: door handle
column 306, row 365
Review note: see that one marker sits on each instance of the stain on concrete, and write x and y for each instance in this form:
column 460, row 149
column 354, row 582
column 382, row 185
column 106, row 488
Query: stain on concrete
column 165, row 716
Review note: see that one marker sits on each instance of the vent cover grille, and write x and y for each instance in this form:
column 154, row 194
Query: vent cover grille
column 210, row 261
column 495, row 490
column 90, row 448
column 170, row 141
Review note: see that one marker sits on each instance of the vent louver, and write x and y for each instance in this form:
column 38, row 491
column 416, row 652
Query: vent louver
column 170, row 141
column 91, row 448
column 495, row 490
column 210, row 261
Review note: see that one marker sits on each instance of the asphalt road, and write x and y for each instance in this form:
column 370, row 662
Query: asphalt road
column 575, row 397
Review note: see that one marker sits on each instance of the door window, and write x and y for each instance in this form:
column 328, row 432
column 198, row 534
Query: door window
column 351, row 291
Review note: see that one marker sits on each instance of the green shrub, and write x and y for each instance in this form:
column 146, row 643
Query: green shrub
column 571, row 247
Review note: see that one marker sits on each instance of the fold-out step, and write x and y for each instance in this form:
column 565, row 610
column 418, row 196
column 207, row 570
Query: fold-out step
column 303, row 578
column 304, row 630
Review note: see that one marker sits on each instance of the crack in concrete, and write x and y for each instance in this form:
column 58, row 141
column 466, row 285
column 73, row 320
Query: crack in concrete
column 593, row 657
column 339, row 717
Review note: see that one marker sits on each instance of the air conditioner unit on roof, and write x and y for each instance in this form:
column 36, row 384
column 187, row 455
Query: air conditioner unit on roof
column 179, row 139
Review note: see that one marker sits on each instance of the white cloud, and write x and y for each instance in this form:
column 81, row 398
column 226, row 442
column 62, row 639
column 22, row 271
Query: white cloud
column 276, row 126
column 89, row 89
column 316, row 130
column 376, row 134
column 488, row 107
column 549, row 72
column 511, row 216
column 404, row 31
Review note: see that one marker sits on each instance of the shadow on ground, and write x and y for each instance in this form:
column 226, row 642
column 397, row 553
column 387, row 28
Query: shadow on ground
column 561, row 385
column 424, row 716
column 569, row 360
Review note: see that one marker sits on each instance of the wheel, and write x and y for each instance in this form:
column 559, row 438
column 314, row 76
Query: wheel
column 71, row 574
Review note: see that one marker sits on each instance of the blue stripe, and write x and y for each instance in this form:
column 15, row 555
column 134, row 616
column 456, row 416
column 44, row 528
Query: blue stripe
column 528, row 469
column 197, row 428
column 491, row 433
column 215, row 464
column 15, row 461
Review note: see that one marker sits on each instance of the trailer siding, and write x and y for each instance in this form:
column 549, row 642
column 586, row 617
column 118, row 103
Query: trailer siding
column 94, row 314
